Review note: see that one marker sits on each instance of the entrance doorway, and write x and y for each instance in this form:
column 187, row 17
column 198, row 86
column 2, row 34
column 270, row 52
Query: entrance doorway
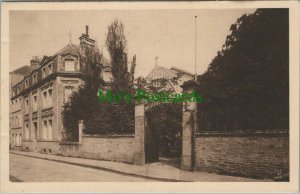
column 163, row 134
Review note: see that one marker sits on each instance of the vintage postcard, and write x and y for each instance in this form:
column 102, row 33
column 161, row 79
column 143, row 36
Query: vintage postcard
column 150, row 97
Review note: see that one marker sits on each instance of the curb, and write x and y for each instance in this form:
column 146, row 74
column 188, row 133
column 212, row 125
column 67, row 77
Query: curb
column 104, row 168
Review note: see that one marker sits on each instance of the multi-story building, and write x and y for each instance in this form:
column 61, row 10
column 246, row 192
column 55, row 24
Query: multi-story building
column 38, row 95
column 15, row 123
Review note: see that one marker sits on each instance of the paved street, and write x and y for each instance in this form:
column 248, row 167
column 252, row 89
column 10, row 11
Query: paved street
column 29, row 169
column 31, row 166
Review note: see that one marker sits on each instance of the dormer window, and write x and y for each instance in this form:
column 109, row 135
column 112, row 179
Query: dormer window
column 50, row 68
column 27, row 83
column 18, row 89
column 69, row 65
column 44, row 72
column 34, row 80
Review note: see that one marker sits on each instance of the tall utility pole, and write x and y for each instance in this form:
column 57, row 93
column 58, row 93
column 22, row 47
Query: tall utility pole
column 70, row 37
column 193, row 140
column 195, row 48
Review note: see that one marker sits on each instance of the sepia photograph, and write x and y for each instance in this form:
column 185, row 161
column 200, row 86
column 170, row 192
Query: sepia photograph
column 182, row 94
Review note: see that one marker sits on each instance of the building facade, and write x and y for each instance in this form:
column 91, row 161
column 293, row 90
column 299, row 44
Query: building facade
column 38, row 96
column 159, row 72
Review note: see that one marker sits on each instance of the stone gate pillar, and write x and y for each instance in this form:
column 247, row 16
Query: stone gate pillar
column 80, row 130
column 189, row 126
column 139, row 134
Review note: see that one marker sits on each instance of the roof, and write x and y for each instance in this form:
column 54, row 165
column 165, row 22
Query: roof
column 168, row 73
column 69, row 49
column 159, row 71
column 75, row 50
column 24, row 70
column 181, row 70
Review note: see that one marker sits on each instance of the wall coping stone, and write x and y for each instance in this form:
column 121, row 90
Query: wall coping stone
column 110, row 136
column 40, row 140
column 270, row 133
column 69, row 143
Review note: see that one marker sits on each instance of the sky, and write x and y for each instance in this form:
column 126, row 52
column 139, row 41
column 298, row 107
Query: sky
column 167, row 34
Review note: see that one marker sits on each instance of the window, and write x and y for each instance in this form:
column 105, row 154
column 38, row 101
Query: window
column 49, row 97
column 44, row 135
column 26, row 131
column 18, row 89
column 34, row 103
column 17, row 121
column 26, row 106
column 50, row 68
column 69, row 65
column 12, row 106
column 50, row 130
column 12, row 122
column 35, row 136
column 27, row 83
column 20, row 120
column 20, row 139
column 34, row 79
column 13, row 139
column 68, row 92
column 16, row 140
column 44, row 72
column 44, row 99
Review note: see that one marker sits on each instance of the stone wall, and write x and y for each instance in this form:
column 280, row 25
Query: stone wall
column 70, row 149
column 112, row 148
column 119, row 148
column 257, row 155
column 46, row 147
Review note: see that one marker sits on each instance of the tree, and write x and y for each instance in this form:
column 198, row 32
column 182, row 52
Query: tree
column 83, row 103
column 246, row 86
column 116, row 45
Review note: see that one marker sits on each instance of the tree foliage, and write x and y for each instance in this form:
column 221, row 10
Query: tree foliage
column 246, row 86
column 116, row 45
column 83, row 104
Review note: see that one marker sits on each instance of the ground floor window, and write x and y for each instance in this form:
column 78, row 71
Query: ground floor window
column 26, row 131
column 17, row 139
column 49, row 129
column 44, row 132
column 35, row 131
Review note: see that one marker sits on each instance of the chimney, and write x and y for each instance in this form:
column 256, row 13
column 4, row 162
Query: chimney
column 85, row 40
column 35, row 61
column 87, row 31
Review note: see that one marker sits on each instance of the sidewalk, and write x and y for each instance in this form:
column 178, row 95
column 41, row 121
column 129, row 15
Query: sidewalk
column 155, row 171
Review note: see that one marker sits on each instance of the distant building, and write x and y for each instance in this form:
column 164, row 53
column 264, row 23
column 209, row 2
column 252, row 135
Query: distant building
column 161, row 72
column 38, row 93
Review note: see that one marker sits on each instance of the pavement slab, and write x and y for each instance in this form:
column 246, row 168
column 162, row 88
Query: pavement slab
column 155, row 171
